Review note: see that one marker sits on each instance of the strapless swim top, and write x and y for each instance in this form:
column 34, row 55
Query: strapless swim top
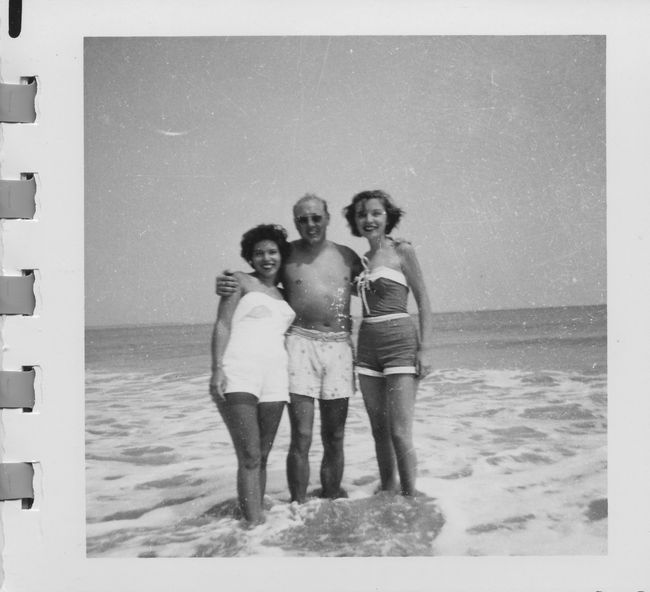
column 259, row 324
column 383, row 291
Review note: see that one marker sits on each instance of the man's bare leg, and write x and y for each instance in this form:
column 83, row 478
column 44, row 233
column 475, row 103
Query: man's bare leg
column 301, row 417
column 333, row 414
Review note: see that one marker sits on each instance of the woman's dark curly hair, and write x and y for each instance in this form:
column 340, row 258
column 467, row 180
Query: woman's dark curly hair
column 271, row 232
column 393, row 213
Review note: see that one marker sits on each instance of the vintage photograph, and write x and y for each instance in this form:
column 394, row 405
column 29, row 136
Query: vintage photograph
column 345, row 296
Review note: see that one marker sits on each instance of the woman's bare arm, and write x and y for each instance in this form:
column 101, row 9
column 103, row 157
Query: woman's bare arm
column 220, row 338
column 415, row 279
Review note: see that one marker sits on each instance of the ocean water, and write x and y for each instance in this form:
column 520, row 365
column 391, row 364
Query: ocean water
column 510, row 432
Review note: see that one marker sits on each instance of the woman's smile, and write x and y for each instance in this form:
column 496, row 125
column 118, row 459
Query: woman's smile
column 371, row 217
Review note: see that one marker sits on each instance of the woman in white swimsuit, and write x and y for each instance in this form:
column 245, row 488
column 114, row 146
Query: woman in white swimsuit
column 390, row 354
column 249, row 380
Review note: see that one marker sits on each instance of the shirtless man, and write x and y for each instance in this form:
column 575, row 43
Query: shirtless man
column 317, row 279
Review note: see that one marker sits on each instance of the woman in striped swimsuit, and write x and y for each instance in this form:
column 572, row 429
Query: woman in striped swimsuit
column 390, row 354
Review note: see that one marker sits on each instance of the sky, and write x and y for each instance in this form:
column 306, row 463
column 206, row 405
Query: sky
column 494, row 147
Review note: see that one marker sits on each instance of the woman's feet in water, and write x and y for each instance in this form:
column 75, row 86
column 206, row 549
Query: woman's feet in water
column 249, row 525
column 389, row 486
column 395, row 489
column 318, row 492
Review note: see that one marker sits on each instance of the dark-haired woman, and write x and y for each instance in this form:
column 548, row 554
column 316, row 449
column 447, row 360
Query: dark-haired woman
column 249, row 380
column 390, row 353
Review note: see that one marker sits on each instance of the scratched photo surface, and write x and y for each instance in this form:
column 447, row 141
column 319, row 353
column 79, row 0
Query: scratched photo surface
column 494, row 147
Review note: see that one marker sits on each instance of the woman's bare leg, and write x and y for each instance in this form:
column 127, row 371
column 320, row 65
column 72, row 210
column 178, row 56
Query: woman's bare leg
column 400, row 393
column 374, row 396
column 240, row 414
column 269, row 416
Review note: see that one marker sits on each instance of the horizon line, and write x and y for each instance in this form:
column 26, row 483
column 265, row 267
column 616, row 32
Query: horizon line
column 175, row 323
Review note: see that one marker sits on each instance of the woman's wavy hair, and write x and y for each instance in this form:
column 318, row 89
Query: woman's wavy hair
column 271, row 232
column 393, row 213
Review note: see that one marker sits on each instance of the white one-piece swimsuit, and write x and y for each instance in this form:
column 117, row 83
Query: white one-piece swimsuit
column 255, row 360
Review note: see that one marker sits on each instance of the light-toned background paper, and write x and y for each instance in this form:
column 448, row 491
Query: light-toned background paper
column 44, row 548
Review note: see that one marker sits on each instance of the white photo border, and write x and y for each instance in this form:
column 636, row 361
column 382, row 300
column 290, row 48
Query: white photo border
column 44, row 547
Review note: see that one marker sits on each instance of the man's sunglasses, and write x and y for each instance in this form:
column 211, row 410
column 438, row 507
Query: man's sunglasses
column 315, row 218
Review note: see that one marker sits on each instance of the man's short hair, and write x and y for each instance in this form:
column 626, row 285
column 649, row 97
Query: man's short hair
column 311, row 197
